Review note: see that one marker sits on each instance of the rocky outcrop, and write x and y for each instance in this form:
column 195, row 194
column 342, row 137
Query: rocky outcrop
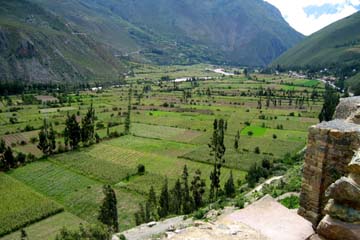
column 330, row 148
column 333, row 229
column 343, row 210
column 330, row 195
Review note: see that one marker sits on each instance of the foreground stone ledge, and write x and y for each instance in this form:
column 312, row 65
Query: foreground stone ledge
column 333, row 229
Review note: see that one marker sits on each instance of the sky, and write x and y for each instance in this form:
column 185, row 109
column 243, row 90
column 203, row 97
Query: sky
column 309, row 16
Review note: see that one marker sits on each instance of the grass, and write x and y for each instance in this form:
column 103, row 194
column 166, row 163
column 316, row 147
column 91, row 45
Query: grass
column 254, row 131
column 112, row 161
column 78, row 194
column 48, row 228
column 20, row 205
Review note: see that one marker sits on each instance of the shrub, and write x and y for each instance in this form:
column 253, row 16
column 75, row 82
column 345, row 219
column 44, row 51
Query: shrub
column 257, row 150
column 141, row 169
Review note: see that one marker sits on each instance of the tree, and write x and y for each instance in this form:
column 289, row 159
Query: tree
column 151, row 206
column 217, row 150
column 52, row 139
column 237, row 140
column 230, row 186
column 72, row 132
column 2, row 146
column 98, row 232
column 331, row 100
column 198, row 189
column 23, row 235
column 88, row 126
column 186, row 198
column 128, row 115
column 9, row 158
column 44, row 144
column 21, row 158
column 164, row 200
column 176, row 198
column 108, row 214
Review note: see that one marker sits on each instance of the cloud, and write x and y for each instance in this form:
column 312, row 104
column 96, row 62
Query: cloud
column 309, row 16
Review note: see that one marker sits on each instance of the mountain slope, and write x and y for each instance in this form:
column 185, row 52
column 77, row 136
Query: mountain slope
column 36, row 46
column 241, row 32
column 338, row 43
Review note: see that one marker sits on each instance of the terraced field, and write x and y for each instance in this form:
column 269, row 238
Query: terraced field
column 171, row 126
column 20, row 205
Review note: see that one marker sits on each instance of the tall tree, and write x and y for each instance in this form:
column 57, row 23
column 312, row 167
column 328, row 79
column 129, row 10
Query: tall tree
column 217, row 150
column 2, row 146
column 331, row 100
column 230, row 186
column 128, row 115
column 237, row 140
column 108, row 214
column 198, row 189
column 164, row 200
column 88, row 126
column 44, row 144
column 151, row 206
column 52, row 139
column 186, row 198
column 176, row 198
column 72, row 132
column 9, row 158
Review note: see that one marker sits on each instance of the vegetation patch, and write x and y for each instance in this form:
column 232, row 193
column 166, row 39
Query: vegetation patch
column 21, row 206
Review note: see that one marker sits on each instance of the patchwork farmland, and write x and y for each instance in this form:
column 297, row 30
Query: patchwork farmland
column 171, row 126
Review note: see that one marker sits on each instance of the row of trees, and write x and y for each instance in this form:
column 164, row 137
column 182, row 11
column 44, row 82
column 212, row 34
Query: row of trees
column 181, row 199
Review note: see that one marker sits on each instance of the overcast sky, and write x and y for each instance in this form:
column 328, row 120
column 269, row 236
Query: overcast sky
column 309, row 16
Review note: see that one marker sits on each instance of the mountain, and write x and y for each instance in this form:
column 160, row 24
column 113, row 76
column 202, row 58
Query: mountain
column 236, row 32
column 37, row 46
column 337, row 44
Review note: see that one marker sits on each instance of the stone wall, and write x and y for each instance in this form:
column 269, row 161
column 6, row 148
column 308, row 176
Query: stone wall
column 331, row 146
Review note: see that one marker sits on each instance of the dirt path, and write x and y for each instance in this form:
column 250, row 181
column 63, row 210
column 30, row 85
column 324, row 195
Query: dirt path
column 144, row 232
column 259, row 188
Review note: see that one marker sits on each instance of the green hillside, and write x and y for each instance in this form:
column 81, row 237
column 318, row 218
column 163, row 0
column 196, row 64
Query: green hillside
column 337, row 44
column 237, row 32
column 36, row 46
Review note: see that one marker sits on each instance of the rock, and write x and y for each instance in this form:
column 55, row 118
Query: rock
column 342, row 212
column 169, row 234
column 315, row 237
column 114, row 237
column 212, row 214
column 333, row 229
column 354, row 166
column 345, row 190
column 347, row 107
column 198, row 223
column 171, row 228
column 151, row 224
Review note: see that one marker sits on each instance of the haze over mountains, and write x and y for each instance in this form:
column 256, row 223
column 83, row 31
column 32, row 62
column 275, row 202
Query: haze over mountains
column 90, row 33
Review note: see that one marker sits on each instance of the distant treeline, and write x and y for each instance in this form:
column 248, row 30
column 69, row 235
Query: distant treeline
column 19, row 87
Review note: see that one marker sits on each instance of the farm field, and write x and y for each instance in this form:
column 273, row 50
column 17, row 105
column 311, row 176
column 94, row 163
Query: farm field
column 171, row 126
column 20, row 205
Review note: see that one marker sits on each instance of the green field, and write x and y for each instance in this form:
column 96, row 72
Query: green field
column 20, row 205
column 168, row 131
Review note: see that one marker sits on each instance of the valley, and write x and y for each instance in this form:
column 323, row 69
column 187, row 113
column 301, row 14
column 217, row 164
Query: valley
column 171, row 126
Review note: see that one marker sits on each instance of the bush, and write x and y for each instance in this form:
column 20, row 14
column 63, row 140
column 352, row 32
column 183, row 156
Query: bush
column 250, row 133
column 240, row 202
column 257, row 150
column 292, row 202
column 141, row 169
column 199, row 214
